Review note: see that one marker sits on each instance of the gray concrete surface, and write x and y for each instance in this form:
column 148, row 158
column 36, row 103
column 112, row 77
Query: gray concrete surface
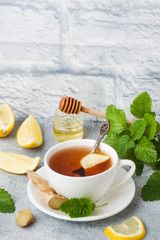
column 47, row 227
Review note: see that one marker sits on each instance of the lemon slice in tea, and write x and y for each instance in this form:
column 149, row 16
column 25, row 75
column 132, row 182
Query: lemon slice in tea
column 93, row 159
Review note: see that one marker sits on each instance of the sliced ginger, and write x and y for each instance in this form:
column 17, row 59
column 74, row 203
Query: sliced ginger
column 48, row 194
column 25, row 218
column 56, row 201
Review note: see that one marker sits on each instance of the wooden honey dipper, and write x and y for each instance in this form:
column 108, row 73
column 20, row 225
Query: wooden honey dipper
column 70, row 105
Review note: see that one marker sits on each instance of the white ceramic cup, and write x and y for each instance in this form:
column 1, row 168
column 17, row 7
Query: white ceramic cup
column 92, row 187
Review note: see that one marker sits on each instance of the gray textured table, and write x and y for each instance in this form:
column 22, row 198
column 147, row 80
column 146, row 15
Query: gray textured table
column 47, row 227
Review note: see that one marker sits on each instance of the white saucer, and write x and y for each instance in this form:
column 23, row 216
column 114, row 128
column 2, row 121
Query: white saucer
column 117, row 199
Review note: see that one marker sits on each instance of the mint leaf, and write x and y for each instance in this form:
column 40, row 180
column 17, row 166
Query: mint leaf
column 156, row 165
column 141, row 105
column 77, row 207
column 151, row 191
column 112, row 140
column 157, row 129
column 139, row 165
column 6, row 202
column 157, row 147
column 152, row 114
column 125, row 142
column 117, row 119
column 151, row 126
column 145, row 151
column 137, row 129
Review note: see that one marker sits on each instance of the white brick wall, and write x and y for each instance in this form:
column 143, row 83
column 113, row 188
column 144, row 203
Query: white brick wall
column 100, row 52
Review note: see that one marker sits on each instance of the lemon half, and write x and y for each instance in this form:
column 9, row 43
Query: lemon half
column 131, row 229
column 7, row 120
column 17, row 163
column 29, row 134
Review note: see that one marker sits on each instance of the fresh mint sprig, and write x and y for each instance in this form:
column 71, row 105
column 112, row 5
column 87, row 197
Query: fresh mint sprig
column 78, row 207
column 139, row 141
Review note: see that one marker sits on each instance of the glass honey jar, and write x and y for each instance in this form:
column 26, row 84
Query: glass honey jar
column 67, row 126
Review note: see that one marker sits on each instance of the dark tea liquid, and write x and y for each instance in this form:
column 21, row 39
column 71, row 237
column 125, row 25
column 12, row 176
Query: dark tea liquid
column 66, row 160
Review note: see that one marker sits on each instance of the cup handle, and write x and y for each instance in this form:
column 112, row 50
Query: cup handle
column 128, row 175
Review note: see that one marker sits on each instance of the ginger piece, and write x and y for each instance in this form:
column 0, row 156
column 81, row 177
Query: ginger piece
column 41, row 182
column 52, row 200
column 48, row 194
column 56, row 201
column 35, row 178
column 45, row 188
column 25, row 218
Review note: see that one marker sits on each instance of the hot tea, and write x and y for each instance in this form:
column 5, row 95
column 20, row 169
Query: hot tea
column 67, row 160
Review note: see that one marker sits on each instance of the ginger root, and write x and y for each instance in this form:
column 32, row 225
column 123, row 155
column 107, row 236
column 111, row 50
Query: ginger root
column 25, row 218
column 48, row 194
column 56, row 201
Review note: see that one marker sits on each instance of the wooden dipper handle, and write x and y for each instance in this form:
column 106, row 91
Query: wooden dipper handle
column 70, row 105
column 93, row 112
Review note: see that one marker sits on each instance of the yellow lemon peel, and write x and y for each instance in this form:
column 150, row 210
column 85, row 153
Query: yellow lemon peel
column 7, row 120
column 17, row 163
column 131, row 229
column 29, row 134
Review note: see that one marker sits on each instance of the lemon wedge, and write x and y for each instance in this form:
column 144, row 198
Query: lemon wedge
column 7, row 120
column 131, row 229
column 93, row 159
column 29, row 134
column 17, row 163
